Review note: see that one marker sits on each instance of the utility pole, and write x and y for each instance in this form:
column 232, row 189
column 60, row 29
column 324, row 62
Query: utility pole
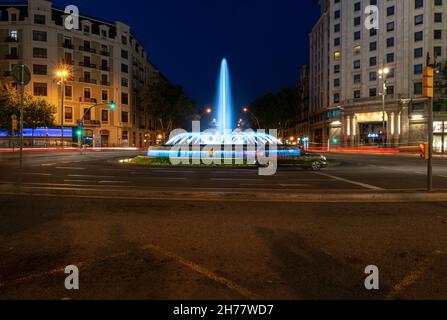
column 22, row 93
column 428, row 92
column 62, row 112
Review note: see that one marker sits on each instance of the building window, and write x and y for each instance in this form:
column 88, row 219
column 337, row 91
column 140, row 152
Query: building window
column 39, row 36
column 124, row 68
column 418, row 68
column 418, row 36
column 390, row 58
column 40, row 69
column 87, row 114
column 68, row 114
column 39, row 19
column 124, row 116
column 105, row 95
column 40, row 53
column 68, row 92
column 418, row 4
column 337, row 55
column 357, row 94
column 418, row 53
column 417, row 88
column 87, row 93
column 105, row 115
column 124, row 98
column 13, row 35
column 125, row 82
column 40, row 89
column 419, row 20
column 390, row 11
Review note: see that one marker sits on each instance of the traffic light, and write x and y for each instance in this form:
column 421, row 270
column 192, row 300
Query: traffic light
column 112, row 105
column 79, row 132
column 335, row 141
column 424, row 153
column 429, row 82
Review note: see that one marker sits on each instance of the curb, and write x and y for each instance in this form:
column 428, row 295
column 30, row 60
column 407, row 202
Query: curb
column 224, row 196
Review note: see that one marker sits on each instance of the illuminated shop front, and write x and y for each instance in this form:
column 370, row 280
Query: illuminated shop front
column 440, row 138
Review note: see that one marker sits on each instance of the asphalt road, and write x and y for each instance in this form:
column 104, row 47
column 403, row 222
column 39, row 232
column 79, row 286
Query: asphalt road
column 170, row 249
column 348, row 173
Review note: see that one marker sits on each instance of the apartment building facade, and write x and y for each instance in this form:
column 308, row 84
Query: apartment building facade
column 106, row 63
column 346, row 59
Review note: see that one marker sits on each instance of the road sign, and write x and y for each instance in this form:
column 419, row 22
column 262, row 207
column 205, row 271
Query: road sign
column 21, row 77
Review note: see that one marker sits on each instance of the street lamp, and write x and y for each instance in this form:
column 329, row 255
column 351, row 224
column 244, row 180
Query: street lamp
column 62, row 74
column 382, row 75
column 247, row 111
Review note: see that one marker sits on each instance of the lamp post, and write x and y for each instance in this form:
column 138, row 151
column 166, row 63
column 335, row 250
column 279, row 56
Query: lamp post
column 247, row 111
column 382, row 75
column 62, row 74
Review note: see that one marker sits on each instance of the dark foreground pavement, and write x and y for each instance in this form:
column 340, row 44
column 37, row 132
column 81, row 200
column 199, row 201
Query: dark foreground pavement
column 166, row 248
column 220, row 250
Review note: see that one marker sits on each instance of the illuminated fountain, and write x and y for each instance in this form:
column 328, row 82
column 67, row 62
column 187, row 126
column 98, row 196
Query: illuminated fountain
column 225, row 141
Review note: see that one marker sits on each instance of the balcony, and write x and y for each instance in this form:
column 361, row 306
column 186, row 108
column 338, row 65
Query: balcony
column 105, row 83
column 11, row 39
column 12, row 56
column 87, row 100
column 87, row 49
column 104, row 68
column 87, row 65
column 67, row 45
column 88, row 80
column 68, row 62
column 104, row 53
column 91, row 123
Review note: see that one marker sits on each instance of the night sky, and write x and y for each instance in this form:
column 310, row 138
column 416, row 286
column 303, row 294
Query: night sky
column 265, row 41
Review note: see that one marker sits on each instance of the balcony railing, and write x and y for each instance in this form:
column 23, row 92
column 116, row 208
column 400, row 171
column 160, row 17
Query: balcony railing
column 11, row 39
column 69, row 62
column 88, row 80
column 105, row 83
column 104, row 68
column 104, row 53
column 12, row 56
column 87, row 49
column 88, row 100
column 67, row 45
column 87, row 65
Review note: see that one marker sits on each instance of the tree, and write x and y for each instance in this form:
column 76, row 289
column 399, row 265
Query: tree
column 167, row 103
column 37, row 112
column 274, row 111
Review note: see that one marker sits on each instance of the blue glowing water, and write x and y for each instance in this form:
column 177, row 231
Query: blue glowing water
column 224, row 99
column 224, row 134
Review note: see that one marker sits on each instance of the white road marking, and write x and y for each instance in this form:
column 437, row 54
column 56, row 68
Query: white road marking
column 38, row 174
column 110, row 182
column 70, row 168
column 165, row 178
column 90, row 176
column 285, row 185
column 234, row 179
column 364, row 185
column 66, row 180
